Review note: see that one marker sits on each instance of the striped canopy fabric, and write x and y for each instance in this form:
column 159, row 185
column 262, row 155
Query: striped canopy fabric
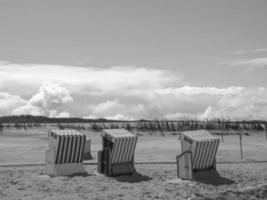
column 203, row 147
column 69, row 145
column 124, row 144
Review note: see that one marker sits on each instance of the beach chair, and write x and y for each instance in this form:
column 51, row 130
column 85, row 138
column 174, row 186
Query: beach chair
column 117, row 156
column 65, row 153
column 87, row 150
column 199, row 150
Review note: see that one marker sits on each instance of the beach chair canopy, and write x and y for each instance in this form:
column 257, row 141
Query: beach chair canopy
column 121, row 143
column 69, row 145
column 203, row 147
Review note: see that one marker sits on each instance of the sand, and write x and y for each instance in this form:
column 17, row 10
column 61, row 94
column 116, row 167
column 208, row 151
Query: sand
column 153, row 181
column 158, row 181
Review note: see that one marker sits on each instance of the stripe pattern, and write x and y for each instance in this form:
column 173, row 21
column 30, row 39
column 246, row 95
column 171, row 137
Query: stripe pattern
column 69, row 145
column 124, row 144
column 203, row 146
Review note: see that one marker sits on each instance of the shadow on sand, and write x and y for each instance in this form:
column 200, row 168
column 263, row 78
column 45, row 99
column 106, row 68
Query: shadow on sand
column 85, row 174
column 211, row 177
column 134, row 178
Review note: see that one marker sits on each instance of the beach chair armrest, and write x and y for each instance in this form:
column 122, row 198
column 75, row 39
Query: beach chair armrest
column 184, row 165
column 182, row 154
column 50, row 156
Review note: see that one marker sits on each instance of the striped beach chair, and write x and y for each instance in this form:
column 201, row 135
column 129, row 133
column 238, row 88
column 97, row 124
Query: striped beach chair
column 65, row 154
column 199, row 150
column 117, row 156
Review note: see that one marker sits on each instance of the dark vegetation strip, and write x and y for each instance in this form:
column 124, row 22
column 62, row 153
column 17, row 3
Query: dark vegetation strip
column 27, row 122
column 44, row 120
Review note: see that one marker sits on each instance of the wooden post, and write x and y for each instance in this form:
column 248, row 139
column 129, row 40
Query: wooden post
column 241, row 149
column 222, row 137
column 100, row 162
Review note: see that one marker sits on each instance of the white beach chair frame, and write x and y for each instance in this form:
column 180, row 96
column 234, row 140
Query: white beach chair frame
column 70, row 161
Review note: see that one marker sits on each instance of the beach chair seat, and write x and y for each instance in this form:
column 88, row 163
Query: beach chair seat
column 122, row 169
column 65, row 153
column 199, row 150
column 117, row 156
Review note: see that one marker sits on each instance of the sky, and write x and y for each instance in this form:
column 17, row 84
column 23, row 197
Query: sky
column 133, row 59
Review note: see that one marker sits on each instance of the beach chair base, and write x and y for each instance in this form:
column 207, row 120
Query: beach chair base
column 185, row 167
column 105, row 167
column 64, row 169
column 87, row 156
column 122, row 169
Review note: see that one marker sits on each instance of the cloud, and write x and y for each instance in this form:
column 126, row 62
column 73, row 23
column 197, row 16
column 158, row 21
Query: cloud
column 50, row 94
column 125, row 92
column 249, row 59
column 187, row 102
column 250, row 64
column 234, row 103
column 8, row 102
column 63, row 115
column 119, row 117
column 249, row 104
column 107, row 106
column 28, row 109
column 183, row 116
column 113, row 109
column 189, row 90
column 252, row 51
column 46, row 101
column 98, row 81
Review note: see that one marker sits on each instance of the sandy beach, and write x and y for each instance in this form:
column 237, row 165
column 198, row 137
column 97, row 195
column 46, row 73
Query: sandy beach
column 152, row 181
column 157, row 181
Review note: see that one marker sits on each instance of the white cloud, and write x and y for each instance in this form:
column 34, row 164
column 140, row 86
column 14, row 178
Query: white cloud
column 116, row 110
column 107, row 106
column 189, row 90
column 182, row 116
column 119, row 117
column 90, row 117
column 8, row 102
column 63, row 115
column 28, row 109
column 249, row 59
column 47, row 101
column 250, row 64
column 249, row 104
column 235, row 103
column 121, row 93
column 50, row 94
column 242, row 52
column 98, row 81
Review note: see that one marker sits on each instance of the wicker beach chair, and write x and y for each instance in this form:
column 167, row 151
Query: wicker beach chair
column 65, row 154
column 117, row 156
column 199, row 150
